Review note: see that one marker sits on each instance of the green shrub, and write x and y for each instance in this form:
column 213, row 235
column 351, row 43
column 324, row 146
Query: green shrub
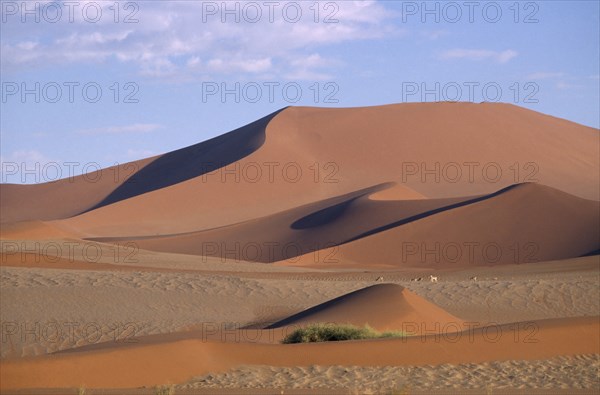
column 332, row 332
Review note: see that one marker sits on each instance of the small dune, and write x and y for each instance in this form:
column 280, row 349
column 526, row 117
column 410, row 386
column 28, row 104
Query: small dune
column 385, row 307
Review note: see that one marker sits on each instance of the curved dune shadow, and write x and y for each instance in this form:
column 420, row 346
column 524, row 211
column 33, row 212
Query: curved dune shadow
column 351, row 297
column 432, row 212
column 324, row 216
column 193, row 161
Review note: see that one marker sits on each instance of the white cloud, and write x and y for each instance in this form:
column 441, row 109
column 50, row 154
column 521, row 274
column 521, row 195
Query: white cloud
column 433, row 34
column 239, row 65
column 562, row 85
column 27, row 156
column 542, row 75
column 134, row 154
column 157, row 66
column 176, row 38
column 479, row 54
column 135, row 128
column 193, row 61
column 310, row 68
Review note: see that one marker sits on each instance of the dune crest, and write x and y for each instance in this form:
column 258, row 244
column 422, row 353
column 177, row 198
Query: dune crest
column 310, row 154
column 385, row 307
column 526, row 223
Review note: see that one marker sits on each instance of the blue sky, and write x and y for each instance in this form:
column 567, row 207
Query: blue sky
column 161, row 68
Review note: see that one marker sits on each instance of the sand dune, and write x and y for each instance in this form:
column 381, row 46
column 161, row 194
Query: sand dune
column 39, row 230
column 383, row 307
column 298, row 231
column 160, row 301
column 476, row 149
column 526, row 223
column 499, row 202
column 75, row 195
column 63, row 198
column 159, row 363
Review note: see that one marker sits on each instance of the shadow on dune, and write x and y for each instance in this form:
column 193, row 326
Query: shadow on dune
column 327, row 215
column 193, row 161
column 432, row 212
column 320, row 225
column 592, row 253
column 383, row 291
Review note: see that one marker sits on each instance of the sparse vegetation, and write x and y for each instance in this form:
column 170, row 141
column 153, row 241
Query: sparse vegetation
column 332, row 332
column 165, row 390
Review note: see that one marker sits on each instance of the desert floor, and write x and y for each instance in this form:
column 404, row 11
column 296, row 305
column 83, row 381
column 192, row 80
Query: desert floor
column 174, row 273
column 169, row 305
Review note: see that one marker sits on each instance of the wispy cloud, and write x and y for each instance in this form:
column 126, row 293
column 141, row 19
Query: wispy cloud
column 562, row 85
column 544, row 75
column 134, row 154
column 479, row 54
column 179, row 39
column 310, row 67
column 433, row 34
column 135, row 128
column 25, row 156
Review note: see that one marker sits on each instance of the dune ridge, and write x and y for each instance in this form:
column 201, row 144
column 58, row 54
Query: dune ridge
column 472, row 228
column 522, row 144
column 384, row 307
column 527, row 223
column 137, row 365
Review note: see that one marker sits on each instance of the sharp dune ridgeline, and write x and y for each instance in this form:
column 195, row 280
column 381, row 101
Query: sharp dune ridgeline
column 474, row 228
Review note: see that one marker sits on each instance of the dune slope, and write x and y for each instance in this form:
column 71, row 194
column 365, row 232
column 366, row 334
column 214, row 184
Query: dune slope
column 526, row 223
column 434, row 150
column 297, row 231
column 383, row 307
column 157, row 363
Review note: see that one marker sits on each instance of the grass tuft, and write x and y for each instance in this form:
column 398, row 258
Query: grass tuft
column 165, row 390
column 332, row 332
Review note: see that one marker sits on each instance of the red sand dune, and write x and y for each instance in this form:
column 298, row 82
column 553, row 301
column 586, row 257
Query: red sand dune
column 63, row 198
column 379, row 183
column 75, row 195
column 526, row 223
column 39, row 230
column 383, row 307
column 48, row 261
column 338, row 151
column 297, row 231
column 155, row 362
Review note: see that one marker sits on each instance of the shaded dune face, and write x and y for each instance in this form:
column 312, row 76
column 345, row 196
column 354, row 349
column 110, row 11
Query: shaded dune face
column 375, row 212
column 382, row 306
column 355, row 148
column 523, row 224
column 76, row 195
column 298, row 231
column 529, row 223
column 519, row 224
column 193, row 161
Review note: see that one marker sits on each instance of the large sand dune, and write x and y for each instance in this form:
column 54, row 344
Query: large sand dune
column 214, row 252
column 300, row 230
column 522, row 224
column 312, row 154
